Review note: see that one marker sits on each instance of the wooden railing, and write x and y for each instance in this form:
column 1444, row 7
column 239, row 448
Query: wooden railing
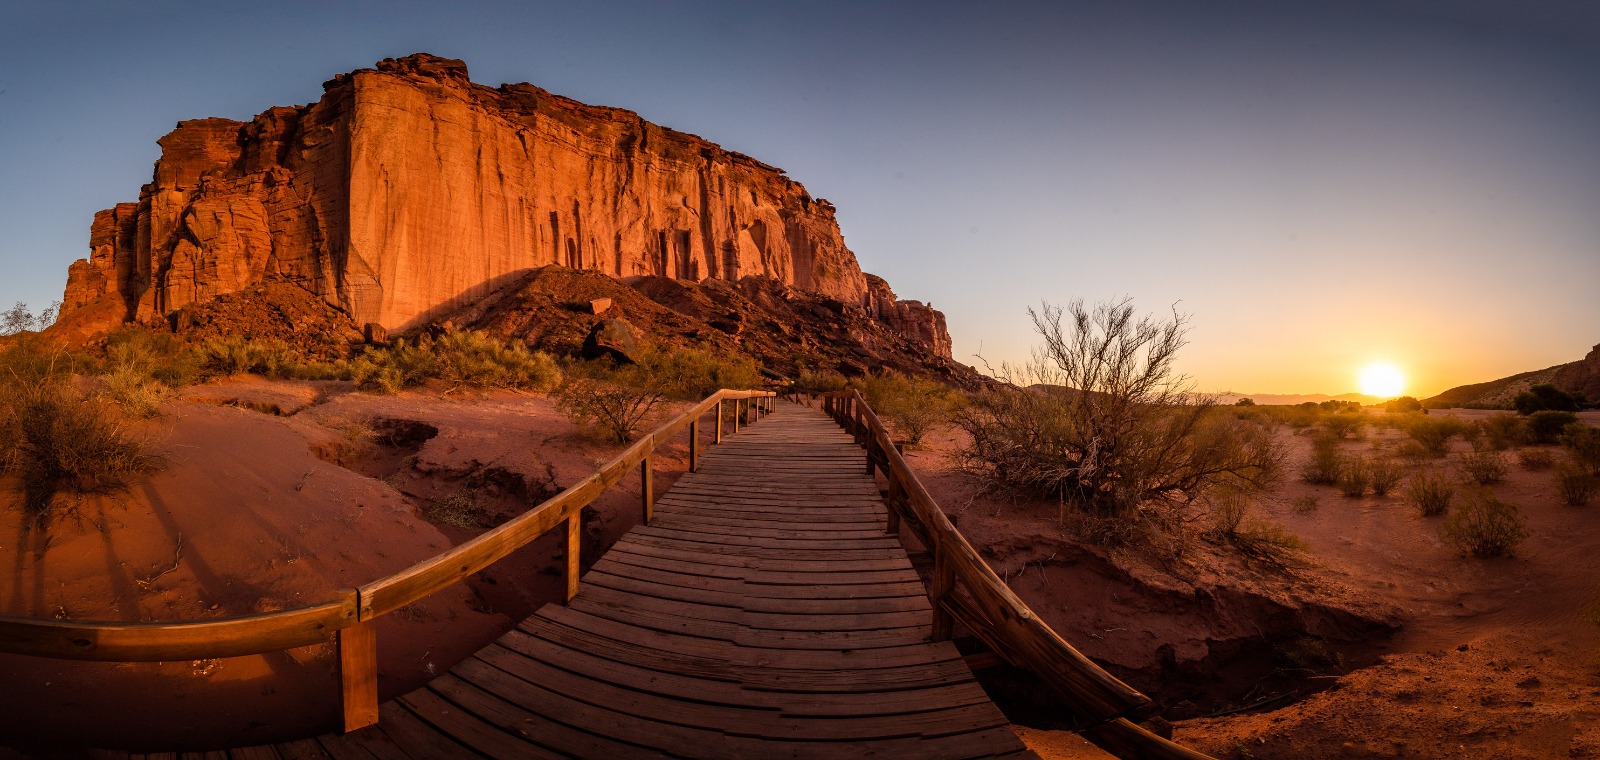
column 964, row 589
column 350, row 617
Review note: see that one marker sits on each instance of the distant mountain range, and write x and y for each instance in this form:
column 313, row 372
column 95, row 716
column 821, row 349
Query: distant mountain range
column 1582, row 376
column 1273, row 399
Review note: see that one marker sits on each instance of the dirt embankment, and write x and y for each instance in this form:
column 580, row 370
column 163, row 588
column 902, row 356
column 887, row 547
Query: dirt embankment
column 1488, row 658
column 275, row 495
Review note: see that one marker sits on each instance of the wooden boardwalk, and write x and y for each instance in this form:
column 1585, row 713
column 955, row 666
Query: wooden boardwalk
column 763, row 613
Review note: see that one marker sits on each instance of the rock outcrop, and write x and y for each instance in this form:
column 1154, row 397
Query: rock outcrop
column 1582, row 376
column 408, row 191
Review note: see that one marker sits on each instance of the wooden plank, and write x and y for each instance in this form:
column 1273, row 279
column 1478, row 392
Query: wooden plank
column 358, row 675
column 265, row 752
column 169, row 642
column 416, row 736
column 461, row 724
column 574, row 547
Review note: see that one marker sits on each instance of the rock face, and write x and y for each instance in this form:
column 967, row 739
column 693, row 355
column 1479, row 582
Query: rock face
column 407, row 191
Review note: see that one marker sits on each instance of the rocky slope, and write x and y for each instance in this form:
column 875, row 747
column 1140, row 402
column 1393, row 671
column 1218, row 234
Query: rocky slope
column 407, row 191
column 1582, row 376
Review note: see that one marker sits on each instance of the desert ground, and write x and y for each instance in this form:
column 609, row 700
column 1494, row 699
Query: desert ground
column 1378, row 639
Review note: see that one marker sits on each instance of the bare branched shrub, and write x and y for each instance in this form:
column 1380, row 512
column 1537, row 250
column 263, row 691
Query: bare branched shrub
column 1430, row 491
column 614, row 401
column 1099, row 420
column 460, row 509
column 912, row 405
column 1385, row 474
column 1576, row 483
column 1305, row 505
column 19, row 318
column 1485, row 526
column 1536, row 459
column 1483, row 466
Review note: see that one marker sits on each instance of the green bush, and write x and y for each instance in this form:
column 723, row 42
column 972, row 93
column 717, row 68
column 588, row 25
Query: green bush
column 1483, row 466
column 1543, row 397
column 819, row 382
column 1485, row 526
column 1547, row 426
column 235, row 355
column 457, row 359
column 1402, row 405
column 1576, row 483
column 1433, row 433
column 692, row 375
column 1431, row 492
column 912, row 405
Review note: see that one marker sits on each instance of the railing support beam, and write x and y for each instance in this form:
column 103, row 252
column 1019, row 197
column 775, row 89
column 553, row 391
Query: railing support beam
column 647, row 488
column 358, row 674
column 694, row 446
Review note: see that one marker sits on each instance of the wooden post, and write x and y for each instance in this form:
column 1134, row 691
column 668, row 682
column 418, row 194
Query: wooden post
column 647, row 487
column 738, row 411
column 694, row 445
column 719, row 421
column 891, row 501
column 574, row 536
column 944, row 577
column 358, row 674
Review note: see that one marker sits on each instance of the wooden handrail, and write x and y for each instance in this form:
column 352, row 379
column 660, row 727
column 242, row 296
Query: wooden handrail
column 350, row 615
column 990, row 610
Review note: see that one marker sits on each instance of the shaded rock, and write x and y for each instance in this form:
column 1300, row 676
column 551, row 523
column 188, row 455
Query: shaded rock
column 599, row 305
column 614, row 338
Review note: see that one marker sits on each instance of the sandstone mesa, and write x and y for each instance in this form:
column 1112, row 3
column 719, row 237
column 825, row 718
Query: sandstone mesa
column 407, row 191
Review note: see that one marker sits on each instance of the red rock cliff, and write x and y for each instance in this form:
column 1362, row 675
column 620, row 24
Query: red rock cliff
column 407, row 189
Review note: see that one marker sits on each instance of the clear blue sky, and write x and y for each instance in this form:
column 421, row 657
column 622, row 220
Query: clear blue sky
column 1319, row 184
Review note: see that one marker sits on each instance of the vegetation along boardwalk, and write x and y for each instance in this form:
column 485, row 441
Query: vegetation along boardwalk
column 763, row 613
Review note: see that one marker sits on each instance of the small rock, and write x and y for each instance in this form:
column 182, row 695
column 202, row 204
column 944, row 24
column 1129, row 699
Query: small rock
column 1531, row 682
column 599, row 305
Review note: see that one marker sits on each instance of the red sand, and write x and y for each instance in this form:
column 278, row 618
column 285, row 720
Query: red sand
column 266, row 524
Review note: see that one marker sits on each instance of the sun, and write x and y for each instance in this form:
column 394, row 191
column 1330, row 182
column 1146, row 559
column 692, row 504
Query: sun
column 1383, row 380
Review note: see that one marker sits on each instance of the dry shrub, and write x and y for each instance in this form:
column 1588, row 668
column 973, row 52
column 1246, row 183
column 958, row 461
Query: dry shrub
column 1253, row 537
column 692, row 375
column 460, row 509
column 1430, row 491
column 1099, row 421
column 1576, row 483
column 58, row 439
column 816, row 383
column 1485, row 526
column 1433, row 433
column 1304, row 505
column 1583, row 444
column 1536, row 459
column 1326, row 462
column 913, row 405
column 1385, row 474
column 1343, row 425
column 1503, row 431
column 1483, row 466
column 1354, row 477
